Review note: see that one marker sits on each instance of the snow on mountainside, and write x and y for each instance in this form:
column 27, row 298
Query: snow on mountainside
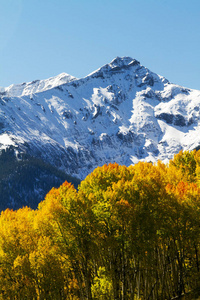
column 120, row 113
column 36, row 86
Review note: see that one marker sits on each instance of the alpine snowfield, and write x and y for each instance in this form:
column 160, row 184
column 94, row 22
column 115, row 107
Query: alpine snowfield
column 120, row 113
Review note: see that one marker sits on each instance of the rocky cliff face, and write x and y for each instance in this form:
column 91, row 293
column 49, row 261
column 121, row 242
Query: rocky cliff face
column 120, row 113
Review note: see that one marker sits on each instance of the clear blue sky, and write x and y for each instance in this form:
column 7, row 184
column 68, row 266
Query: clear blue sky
column 43, row 38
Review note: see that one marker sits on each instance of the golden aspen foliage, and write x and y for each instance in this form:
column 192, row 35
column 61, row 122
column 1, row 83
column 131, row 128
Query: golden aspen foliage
column 17, row 240
column 126, row 233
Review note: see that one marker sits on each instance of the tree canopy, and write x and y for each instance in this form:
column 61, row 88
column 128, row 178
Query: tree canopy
column 126, row 233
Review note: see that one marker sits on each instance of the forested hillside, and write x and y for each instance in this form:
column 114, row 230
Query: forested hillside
column 127, row 233
column 25, row 180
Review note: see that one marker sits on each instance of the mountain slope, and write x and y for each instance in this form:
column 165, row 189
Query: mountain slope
column 120, row 113
column 35, row 86
column 27, row 180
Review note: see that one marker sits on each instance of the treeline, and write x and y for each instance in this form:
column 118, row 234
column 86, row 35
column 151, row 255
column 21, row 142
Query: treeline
column 127, row 233
column 25, row 180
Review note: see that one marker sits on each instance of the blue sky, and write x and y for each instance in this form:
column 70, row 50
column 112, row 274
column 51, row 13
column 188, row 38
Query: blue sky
column 43, row 38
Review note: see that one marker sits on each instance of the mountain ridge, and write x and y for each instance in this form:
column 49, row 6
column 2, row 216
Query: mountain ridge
column 35, row 86
column 122, row 112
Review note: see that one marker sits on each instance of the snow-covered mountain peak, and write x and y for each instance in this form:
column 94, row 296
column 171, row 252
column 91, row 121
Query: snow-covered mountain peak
column 121, row 112
column 131, row 71
column 123, row 61
column 118, row 64
column 36, row 86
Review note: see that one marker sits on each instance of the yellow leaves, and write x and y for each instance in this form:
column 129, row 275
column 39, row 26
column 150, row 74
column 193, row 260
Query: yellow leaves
column 102, row 286
column 119, row 214
column 103, row 177
column 186, row 162
column 42, row 253
column 16, row 231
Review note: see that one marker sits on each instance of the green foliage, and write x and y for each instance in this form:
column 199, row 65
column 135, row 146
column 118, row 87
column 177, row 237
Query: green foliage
column 127, row 233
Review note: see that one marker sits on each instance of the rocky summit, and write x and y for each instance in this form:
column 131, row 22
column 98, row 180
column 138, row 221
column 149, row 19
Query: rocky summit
column 121, row 113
